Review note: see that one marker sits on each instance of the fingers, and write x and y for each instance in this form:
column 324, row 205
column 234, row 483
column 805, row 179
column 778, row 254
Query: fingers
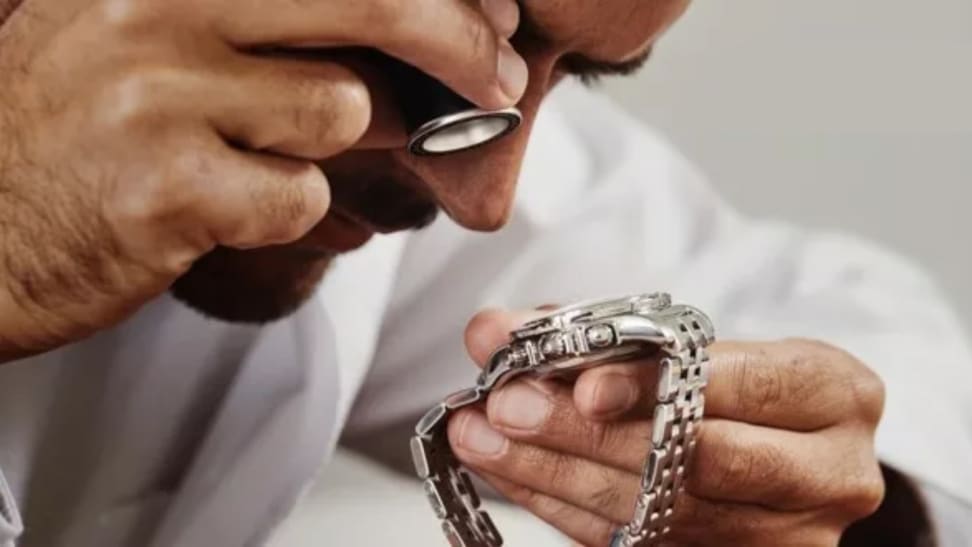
column 733, row 461
column 311, row 108
column 602, row 490
column 264, row 200
column 211, row 194
column 795, row 384
column 618, row 391
column 695, row 521
column 700, row 522
column 452, row 40
column 577, row 524
column 781, row 470
column 543, row 414
column 302, row 109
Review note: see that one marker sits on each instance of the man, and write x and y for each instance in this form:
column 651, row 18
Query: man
column 151, row 145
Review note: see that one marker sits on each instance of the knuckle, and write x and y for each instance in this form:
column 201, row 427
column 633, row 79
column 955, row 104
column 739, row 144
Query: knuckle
column 157, row 197
column 561, row 472
column 863, row 494
column 123, row 15
column 816, row 355
column 143, row 207
column 133, row 99
column 554, row 466
column 355, row 112
column 522, row 495
column 733, row 470
column 550, row 507
column 133, row 18
column 334, row 112
column 610, row 496
column 864, row 388
column 723, row 465
column 605, row 498
column 868, row 393
column 482, row 42
column 601, row 437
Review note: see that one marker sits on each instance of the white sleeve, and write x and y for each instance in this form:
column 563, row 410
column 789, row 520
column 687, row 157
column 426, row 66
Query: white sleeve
column 10, row 524
column 951, row 518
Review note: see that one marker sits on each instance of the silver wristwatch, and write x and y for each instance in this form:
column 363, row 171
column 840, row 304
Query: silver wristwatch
column 566, row 341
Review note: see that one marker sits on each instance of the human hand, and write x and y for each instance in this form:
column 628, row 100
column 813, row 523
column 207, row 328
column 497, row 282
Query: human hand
column 784, row 457
column 139, row 134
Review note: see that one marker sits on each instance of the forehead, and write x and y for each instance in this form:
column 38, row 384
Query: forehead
column 604, row 29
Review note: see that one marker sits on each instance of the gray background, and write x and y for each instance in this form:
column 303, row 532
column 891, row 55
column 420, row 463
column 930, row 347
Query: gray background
column 849, row 114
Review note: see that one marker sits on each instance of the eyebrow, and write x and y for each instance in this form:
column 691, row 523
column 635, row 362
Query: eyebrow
column 577, row 64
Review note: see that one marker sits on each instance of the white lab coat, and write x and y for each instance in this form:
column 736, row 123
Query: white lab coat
column 174, row 430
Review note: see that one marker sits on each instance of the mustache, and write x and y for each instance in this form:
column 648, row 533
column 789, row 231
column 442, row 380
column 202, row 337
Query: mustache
column 385, row 199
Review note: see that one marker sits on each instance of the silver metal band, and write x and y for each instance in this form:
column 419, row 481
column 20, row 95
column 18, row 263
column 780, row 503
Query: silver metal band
column 681, row 333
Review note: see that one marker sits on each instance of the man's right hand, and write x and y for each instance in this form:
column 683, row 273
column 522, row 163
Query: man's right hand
column 139, row 134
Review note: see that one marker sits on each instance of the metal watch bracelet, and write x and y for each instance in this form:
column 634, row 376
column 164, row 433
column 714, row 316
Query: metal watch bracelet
column 571, row 339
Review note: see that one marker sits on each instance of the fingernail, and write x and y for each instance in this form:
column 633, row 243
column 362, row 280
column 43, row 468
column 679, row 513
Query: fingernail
column 504, row 15
column 512, row 71
column 522, row 407
column 614, row 393
column 478, row 436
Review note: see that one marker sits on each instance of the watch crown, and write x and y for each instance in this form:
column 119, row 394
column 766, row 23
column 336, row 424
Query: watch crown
column 553, row 346
column 600, row 336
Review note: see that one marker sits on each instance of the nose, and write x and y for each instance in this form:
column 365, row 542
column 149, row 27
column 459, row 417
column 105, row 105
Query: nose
column 477, row 187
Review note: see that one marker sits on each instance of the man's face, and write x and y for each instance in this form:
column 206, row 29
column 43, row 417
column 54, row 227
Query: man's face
column 380, row 188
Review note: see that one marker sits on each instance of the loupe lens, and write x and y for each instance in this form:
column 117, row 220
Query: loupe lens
column 438, row 120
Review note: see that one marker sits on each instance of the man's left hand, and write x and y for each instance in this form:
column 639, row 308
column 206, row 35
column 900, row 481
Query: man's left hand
column 784, row 457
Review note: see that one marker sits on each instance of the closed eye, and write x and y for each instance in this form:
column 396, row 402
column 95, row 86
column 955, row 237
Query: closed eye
column 590, row 71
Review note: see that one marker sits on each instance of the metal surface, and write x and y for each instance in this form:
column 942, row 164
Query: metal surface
column 579, row 337
column 463, row 130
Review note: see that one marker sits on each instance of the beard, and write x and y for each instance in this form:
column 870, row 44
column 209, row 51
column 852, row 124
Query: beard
column 270, row 283
column 252, row 286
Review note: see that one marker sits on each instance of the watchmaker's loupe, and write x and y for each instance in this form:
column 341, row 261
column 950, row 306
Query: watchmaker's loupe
column 439, row 121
